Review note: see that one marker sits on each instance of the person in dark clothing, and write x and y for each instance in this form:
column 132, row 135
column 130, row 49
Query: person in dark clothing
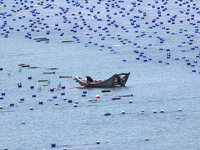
column 120, row 81
column 89, row 79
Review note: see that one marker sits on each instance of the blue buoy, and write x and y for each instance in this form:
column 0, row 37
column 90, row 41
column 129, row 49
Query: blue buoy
column 107, row 114
column 51, row 89
column 54, row 97
column 1, row 97
column 31, row 87
column 12, row 104
column 40, row 102
column 69, row 100
column 21, row 99
column 188, row 63
column 83, row 95
column 34, row 95
column 29, row 77
column 3, row 93
column 19, row 85
column 84, row 91
column 62, row 93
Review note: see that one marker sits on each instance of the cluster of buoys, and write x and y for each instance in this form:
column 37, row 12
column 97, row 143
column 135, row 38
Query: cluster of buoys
column 109, row 5
column 84, row 93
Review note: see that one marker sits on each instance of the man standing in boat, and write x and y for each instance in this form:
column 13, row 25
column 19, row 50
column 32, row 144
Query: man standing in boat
column 89, row 79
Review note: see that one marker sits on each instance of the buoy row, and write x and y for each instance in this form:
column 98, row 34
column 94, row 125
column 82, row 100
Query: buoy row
column 141, row 112
column 161, row 111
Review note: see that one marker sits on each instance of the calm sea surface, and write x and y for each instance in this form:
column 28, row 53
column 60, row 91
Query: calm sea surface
column 156, row 41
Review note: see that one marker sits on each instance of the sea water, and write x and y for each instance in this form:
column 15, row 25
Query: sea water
column 107, row 44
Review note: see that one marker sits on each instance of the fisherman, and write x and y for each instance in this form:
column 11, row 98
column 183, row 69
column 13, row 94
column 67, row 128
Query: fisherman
column 120, row 80
column 89, row 79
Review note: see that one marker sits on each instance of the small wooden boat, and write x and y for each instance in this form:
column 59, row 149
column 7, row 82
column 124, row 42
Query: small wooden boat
column 52, row 68
column 41, row 39
column 117, row 80
column 92, row 99
column 33, row 67
column 116, row 98
column 24, row 65
column 65, row 76
column 105, row 91
column 49, row 72
column 67, row 41
column 42, row 80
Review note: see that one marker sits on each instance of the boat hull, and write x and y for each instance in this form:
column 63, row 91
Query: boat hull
column 117, row 80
